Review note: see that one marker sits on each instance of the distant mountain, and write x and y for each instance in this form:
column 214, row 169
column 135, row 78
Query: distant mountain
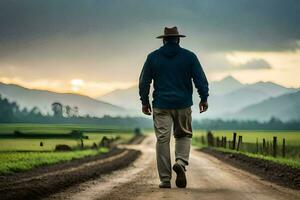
column 224, row 86
column 226, row 96
column 269, row 88
column 43, row 99
column 285, row 107
column 128, row 98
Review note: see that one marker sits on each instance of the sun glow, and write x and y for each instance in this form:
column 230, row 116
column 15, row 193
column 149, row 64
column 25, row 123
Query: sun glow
column 76, row 84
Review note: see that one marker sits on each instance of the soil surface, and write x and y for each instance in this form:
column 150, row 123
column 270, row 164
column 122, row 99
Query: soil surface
column 274, row 172
column 47, row 180
column 209, row 178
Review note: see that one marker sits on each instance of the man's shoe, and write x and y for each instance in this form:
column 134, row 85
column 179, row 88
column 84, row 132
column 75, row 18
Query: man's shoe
column 165, row 185
column 181, row 178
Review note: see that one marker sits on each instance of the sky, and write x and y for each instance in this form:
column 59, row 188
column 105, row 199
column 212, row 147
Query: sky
column 92, row 47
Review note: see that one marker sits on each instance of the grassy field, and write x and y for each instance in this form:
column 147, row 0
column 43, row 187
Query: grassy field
column 95, row 134
column 59, row 128
column 292, row 137
column 292, row 141
column 21, row 161
column 19, row 154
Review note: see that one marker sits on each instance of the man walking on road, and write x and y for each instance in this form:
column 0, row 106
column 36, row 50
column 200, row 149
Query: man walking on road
column 172, row 70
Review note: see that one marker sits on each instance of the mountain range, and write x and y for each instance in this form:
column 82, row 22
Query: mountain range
column 229, row 99
column 43, row 99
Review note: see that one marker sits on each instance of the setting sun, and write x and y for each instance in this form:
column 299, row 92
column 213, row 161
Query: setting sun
column 76, row 84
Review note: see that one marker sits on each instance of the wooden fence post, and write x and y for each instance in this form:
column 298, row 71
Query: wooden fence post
column 257, row 146
column 239, row 143
column 274, row 146
column 264, row 146
column 225, row 142
column 268, row 147
column 283, row 147
column 202, row 139
column 222, row 140
column 81, row 143
column 234, row 141
column 218, row 141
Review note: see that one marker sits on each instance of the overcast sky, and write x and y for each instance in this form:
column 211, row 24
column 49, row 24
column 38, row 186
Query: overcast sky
column 94, row 46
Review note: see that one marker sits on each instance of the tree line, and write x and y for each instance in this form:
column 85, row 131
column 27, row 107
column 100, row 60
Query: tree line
column 10, row 112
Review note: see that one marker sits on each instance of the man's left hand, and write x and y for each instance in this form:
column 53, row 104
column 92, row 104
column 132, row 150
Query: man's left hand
column 146, row 109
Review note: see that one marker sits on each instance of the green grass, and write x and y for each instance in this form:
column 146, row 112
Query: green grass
column 292, row 141
column 17, row 154
column 94, row 132
column 21, row 161
column 295, row 163
column 49, row 144
column 59, row 128
column 292, row 137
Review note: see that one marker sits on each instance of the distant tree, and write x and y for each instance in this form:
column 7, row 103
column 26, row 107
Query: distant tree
column 6, row 110
column 69, row 111
column 76, row 111
column 35, row 111
column 57, row 109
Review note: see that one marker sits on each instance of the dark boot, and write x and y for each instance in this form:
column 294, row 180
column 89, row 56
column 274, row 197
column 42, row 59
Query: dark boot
column 165, row 184
column 181, row 178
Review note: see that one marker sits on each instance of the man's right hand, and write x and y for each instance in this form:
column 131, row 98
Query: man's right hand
column 146, row 109
column 203, row 106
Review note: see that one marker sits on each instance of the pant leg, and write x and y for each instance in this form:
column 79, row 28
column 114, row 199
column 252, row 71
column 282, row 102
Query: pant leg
column 183, row 134
column 163, row 125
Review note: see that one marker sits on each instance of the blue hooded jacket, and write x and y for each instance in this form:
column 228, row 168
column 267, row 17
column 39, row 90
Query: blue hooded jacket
column 172, row 70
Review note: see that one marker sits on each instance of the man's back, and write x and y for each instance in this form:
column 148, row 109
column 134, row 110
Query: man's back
column 172, row 68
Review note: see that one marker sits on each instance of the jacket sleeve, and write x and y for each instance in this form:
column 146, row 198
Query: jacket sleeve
column 199, row 79
column 145, row 81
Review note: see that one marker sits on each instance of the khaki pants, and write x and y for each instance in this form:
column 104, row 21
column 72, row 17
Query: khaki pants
column 164, row 120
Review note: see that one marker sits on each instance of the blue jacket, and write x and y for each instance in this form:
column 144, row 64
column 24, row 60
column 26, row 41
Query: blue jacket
column 172, row 70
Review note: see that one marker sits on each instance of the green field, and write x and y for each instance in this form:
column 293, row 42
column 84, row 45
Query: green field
column 292, row 137
column 94, row 132
column 59, row 128
column 292, row 144
column 19, row 154
column 21, row 161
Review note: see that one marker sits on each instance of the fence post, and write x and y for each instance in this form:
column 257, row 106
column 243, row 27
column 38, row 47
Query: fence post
column 218, row 141
column 274, row 146
column 225, row 142
column 81, row 143
column 234, row 141
column 264, row 146
column 257, row 150
column 239, row 143
column 202, row 140
column 283, row 147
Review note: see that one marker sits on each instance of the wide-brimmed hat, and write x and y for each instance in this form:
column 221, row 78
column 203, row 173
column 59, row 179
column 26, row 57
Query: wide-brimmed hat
column 171, row 32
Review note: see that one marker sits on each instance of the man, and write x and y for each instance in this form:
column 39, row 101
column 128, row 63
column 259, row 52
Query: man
column 172, row 70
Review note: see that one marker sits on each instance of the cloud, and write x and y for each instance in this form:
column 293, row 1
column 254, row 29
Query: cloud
column 255, row 64
column 209, row 24
column 104, row 41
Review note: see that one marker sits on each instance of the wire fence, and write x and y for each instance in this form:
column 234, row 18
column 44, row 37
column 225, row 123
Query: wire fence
column 262, row 146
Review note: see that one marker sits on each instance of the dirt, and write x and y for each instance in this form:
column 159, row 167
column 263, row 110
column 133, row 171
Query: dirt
column 268, row 170
column 208, row 178
column 46, row 180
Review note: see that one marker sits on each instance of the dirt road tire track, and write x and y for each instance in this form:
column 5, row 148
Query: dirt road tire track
column 42, row 185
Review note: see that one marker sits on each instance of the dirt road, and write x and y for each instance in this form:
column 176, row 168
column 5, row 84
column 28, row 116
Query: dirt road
column 208, row 178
